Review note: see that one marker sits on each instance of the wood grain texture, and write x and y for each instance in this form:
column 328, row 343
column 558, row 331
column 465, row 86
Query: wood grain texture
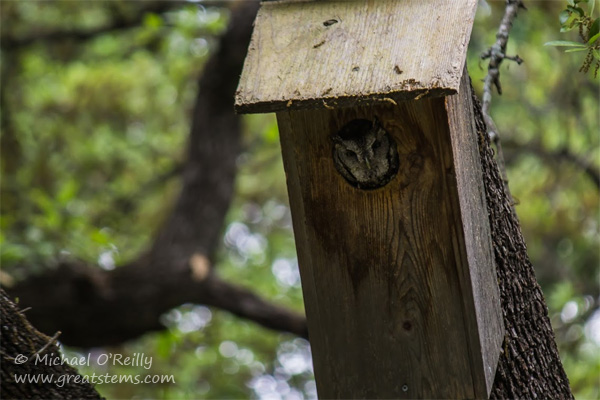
column 315, row 54
column 383, row 271
column 481, row 295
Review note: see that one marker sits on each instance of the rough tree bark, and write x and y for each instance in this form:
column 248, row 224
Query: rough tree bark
column 19, row 339
column 529, row 366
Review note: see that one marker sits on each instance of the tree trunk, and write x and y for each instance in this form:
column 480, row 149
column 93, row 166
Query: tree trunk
column 529, row 366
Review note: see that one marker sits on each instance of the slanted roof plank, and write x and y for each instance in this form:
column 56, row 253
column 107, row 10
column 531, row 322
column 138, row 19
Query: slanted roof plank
column 330, row 54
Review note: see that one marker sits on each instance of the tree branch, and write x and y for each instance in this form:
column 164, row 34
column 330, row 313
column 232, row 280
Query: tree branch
column 496, row 54
column 94, row 307
column 248, row 305
column 127, row 203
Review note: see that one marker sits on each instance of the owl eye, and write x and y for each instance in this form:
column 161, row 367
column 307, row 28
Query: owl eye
column 350, row 153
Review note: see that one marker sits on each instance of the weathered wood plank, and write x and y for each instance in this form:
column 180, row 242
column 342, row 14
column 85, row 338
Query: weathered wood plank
column 479, row 283
column 309, row 54
column 383, row 271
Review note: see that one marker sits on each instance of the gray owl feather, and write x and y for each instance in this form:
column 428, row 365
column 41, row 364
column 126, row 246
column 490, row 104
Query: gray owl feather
column 365, row 154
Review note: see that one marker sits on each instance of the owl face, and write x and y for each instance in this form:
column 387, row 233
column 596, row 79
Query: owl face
column 365, row 154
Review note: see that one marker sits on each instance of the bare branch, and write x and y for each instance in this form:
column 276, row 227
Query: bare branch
column 93, row 307
column 496, row 54
column 246, row 304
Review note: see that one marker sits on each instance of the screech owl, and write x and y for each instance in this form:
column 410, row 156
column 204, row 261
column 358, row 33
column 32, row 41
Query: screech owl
column 365, row 154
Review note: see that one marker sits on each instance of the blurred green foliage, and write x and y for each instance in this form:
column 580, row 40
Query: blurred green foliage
column 94, row 132
column 579, row 14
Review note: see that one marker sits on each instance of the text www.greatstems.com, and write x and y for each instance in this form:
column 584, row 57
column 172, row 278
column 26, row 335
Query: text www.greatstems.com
column 94, row 379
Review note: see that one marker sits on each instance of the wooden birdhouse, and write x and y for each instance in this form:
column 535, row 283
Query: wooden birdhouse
column 380, row 150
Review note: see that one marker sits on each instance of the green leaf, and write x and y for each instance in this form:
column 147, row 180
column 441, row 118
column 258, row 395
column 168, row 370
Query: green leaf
column 571, row 2
column 592, row 7
column 577, row 49
column 594, row 38
column 152, row 20
column 67, row 192
column 562, row 43
column 272, row 134
column 100, row 237
column 572, row 23
column 596, row 54
column 563, row 17
column 578, row 10
column 12, row 253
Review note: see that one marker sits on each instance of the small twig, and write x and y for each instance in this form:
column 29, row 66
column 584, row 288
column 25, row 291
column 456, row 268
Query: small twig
column 44, row 347
column 50, row 342
column 496, row 54
column 514, row 58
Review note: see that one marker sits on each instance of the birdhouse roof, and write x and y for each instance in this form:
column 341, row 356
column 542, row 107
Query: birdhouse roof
column 331, row 54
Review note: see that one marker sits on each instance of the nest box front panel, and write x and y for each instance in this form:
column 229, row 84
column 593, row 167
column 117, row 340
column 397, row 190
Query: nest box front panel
column 378, row 243
column 385, row 189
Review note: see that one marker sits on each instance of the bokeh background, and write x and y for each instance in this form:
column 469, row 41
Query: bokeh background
column 96, row 138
